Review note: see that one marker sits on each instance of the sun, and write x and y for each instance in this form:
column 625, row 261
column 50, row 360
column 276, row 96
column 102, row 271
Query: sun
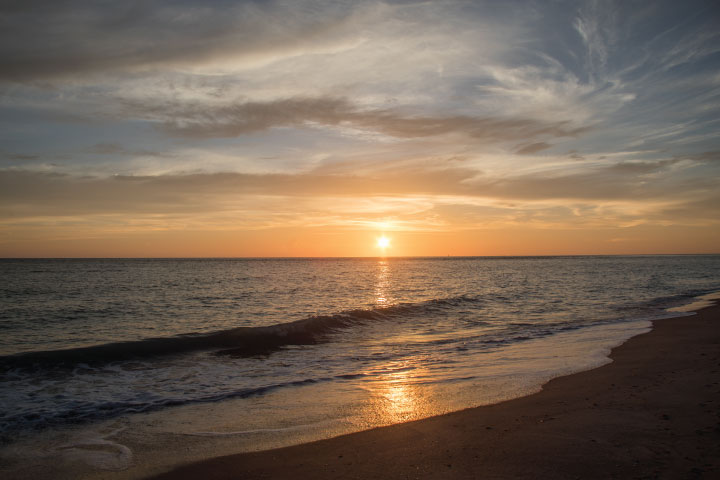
column 383, row 242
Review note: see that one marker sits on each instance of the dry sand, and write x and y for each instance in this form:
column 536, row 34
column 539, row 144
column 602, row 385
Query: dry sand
column 652, row 413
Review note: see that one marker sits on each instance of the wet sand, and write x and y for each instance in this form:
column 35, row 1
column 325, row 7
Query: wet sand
column 654, row 412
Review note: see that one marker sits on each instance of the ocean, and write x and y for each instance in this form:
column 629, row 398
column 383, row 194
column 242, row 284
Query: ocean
column 101, row 357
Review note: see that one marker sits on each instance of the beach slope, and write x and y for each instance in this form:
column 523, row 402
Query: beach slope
column 654, row 412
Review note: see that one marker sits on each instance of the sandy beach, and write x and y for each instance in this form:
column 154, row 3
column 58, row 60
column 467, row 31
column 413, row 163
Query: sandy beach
column 651, row 413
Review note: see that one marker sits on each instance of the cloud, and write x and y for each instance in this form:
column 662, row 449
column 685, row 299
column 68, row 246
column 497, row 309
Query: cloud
column 710, row 157
column 202, row 121
column 640, row 168
column 107, row 149
column 50, row 39
column 595, row 24
column 49, row 192
column 532, row 148
column 639, row 182
column 117, row 149
column 704, row 208
column 644, row 191
column 21, row 156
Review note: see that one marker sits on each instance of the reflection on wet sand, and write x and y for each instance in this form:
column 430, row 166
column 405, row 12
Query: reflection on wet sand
column 396, row 395
column 396, row 399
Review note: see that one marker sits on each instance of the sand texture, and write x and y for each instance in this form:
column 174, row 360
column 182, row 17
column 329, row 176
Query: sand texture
column 652, row 413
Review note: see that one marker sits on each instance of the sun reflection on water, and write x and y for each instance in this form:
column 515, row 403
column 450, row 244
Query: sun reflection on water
column 382, row 283
column 395, row 396
column 396, row 392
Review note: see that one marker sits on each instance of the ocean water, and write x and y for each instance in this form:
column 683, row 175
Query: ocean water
column 271, row 352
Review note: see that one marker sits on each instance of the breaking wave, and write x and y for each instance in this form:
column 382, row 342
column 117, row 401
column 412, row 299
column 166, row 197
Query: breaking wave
column 239, row 342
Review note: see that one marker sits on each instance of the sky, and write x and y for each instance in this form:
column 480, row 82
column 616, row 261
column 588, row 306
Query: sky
column 312, row 128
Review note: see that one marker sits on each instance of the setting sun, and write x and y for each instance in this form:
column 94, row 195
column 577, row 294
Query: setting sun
column 383, row 242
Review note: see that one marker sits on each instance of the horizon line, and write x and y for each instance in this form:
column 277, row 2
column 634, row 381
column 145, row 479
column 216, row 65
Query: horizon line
column 375, row 257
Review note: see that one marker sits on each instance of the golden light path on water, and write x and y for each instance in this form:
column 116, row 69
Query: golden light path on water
column 382, row 283
column 394, row 396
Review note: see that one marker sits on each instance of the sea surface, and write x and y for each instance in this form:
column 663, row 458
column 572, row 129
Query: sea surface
column 278, row 351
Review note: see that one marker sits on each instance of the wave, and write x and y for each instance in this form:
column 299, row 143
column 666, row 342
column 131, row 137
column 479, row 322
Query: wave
column 238, row 342
column 80, row 412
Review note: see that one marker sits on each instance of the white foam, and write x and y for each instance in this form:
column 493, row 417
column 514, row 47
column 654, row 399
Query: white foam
column 698, row 303
column 262, row 430
column 67, row 454
column 98, row 453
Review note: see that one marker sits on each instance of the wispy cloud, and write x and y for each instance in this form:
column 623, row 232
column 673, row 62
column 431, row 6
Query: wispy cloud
column 652, row 184
column 531, row 148
column 450, row 114
column 46, row 40
column 251, row 117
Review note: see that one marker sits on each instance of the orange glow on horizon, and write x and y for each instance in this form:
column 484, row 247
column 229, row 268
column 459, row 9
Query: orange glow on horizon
column 333, row 242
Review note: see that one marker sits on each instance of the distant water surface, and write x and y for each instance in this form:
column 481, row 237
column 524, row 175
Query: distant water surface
column 338, row 344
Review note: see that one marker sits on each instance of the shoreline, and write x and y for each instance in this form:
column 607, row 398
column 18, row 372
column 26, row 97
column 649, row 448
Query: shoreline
column 650, row 413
